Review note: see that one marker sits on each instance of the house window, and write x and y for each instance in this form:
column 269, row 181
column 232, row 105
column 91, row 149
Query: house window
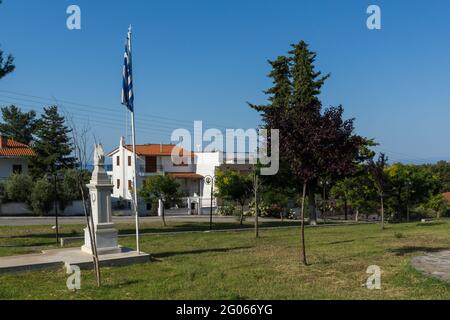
column 118, row 183
column 129, row 161
column 17, row 169
column 118, row 161
column 150, row 164
column 130, row 185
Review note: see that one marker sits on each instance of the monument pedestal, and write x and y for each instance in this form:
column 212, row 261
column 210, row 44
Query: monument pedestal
column 104, row 230
column 108, row 249
column 106, row 237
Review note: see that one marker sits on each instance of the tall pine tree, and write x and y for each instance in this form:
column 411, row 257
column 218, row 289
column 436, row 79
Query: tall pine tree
column 314, row 145
column 306, row 109
column 53, row 146
column 17, row 125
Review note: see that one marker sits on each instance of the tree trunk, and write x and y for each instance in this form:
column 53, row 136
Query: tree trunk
column 256, row 208
column 241, row 220
column 357, row 215
column 90, row 226
column 163, row 215
column 312, row 207
column 382, row 213
column 302, row 217
column 407, row 213
column 345, row 210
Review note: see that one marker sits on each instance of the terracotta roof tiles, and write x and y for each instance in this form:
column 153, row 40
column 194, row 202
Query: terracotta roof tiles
column 11, row 148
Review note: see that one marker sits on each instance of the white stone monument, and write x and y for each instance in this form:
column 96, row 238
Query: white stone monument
column 100, row 188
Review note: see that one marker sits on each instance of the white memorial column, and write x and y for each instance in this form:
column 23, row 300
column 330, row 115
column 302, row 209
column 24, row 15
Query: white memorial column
column 100, row 189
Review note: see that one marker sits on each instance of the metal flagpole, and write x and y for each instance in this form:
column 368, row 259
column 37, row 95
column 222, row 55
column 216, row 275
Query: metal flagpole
column 133, row 129
column 138, row 249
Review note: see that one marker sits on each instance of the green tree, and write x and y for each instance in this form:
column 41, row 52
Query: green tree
column 18, row 188
column 409, row 186
column 315, row 145
column 17, row 125
column 68, row 186
column 442, row 169
column 164, row 188
column 236, row 187
column 42, row 197
column 357, row 192
column 279, row 97
column 439, row 204
column 53, row 148
column 379, row 179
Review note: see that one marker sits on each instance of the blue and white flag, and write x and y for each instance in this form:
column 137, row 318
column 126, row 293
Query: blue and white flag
column 127, row 88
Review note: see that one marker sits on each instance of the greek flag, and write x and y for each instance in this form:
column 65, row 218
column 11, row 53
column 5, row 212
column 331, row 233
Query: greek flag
column 127, row 88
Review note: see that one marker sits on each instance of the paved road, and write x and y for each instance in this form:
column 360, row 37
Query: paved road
column 47, row 221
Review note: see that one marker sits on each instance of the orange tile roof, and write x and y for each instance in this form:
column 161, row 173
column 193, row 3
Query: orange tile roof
column 184, row 175
column 447, row 196
column 11, row 148
column 156, row 150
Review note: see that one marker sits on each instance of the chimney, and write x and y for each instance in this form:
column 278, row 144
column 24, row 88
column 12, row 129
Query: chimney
column 3, row 142
column 160, row 148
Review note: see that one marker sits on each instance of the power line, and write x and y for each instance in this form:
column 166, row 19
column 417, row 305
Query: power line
column 105, row 122
column 91, row 107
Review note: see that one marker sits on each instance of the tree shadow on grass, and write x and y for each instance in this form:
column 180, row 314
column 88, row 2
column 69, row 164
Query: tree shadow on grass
column 120, row 284
column 340, row 242
column 161, row 255
column 33, row 245
column 413, row 249
column 430, row 224
column 43, row 236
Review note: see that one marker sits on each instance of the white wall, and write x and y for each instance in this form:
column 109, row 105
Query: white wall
column 123, row 172
column 16, row 208
column 6, row 166
column 207, row 162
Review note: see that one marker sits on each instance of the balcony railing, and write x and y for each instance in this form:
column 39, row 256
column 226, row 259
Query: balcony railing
column 143, row 172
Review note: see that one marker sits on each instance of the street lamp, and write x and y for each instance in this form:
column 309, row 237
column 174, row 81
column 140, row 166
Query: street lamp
column 53, row 177
column 209, row 181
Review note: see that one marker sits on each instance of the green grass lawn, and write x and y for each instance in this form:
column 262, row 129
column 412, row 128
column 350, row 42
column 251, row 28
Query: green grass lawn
column 234, row 265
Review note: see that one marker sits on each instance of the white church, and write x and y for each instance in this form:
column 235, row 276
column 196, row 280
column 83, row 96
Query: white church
column 156, row 159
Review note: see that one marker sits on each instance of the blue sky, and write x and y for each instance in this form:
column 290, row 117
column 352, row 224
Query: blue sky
column 202, row 60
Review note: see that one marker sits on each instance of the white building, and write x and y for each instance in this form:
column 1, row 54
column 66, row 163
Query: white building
column 14, row 157
column 156, row 159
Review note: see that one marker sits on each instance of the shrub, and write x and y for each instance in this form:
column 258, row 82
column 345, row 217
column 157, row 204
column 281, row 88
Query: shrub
column 18, row 188
column 68, row 187
column 439, row 205
column 2, row 192
column 42, row 197
column 227, row 210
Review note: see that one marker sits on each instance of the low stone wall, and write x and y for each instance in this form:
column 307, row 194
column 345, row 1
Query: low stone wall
column 21, row 209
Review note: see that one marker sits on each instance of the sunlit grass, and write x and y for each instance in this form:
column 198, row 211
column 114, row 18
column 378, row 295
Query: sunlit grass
column 235, row 265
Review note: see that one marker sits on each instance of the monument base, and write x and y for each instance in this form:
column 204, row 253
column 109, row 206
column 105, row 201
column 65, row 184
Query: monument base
column 106, row 238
